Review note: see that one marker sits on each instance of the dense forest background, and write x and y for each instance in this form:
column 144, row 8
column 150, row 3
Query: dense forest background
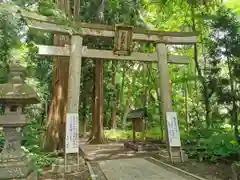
column 205, row 92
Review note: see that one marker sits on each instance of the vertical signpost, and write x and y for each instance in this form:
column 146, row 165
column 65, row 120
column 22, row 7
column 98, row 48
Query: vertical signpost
column 72, row 134
column 72, row 137
column 173, row 133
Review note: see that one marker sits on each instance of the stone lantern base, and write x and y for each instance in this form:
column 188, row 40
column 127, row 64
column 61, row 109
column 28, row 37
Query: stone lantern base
column 17, row 169
column 14, row 164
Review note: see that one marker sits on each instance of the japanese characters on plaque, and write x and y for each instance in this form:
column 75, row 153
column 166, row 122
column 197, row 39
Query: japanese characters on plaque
column 123, row 40
column 72, row 133
column 173, row 129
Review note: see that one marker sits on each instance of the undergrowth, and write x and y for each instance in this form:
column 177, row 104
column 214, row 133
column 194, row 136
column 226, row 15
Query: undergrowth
column 32, row 146
column 203, row 144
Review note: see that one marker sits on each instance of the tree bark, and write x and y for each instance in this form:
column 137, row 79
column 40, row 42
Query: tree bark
column 234, row 101
column 84, row 120
column 128, row 103
column 159, row 100
column 114, row 110
column 100, row 131
column 145, row 85
column 94, row 107
column 98, row 135
column 122, row 91
column 199, row 71
column 55, row 133
column 185, row 94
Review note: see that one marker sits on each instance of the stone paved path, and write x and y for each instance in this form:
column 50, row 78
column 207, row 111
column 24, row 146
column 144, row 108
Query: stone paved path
column 135, row 169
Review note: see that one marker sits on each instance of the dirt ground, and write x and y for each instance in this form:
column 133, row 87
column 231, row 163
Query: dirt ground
column 211, row 171
column 83, row 174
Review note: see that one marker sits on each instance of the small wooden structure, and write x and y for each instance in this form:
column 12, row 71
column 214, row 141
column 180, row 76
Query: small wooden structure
column 138, row 122
column 138, row 118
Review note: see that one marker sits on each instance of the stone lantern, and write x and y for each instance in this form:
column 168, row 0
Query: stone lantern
column 14, row 95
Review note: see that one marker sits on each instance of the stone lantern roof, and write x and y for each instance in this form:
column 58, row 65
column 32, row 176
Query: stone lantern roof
column 16, row 91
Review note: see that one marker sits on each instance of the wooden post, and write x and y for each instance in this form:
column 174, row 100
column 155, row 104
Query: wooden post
column 74, row 83
column 165, row 87
column 74, row 74
column 134, row 130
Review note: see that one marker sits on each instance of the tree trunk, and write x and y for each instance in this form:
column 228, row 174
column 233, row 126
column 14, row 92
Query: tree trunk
column 94, row 107
column 234, row 101
column 98, row 132
column 84, row 120
column 159, row 100
column 98, row 136
column 185, row 93
column 55, row 133
column 54, row 137
column 145, row 85
column 128, row 102
column 86, row 86
column 114, row 110
column 122, row 92
column 199, row 71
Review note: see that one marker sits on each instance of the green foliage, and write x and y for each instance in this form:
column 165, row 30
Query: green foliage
column 32, row 146
column 119, row 135
column 13, row 36
column 9, row 38
column 216, row 147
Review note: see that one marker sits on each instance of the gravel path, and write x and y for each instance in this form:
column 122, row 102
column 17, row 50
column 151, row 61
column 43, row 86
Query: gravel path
column 136, row 169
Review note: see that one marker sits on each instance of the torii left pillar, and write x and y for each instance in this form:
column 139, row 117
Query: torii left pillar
column 74, row 81
column 73, row 160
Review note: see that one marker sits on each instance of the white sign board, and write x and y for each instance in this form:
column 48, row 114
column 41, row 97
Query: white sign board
column 173, row 129
column 72, row 133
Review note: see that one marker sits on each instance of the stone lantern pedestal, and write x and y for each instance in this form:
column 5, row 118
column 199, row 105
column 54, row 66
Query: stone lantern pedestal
column 14, row 95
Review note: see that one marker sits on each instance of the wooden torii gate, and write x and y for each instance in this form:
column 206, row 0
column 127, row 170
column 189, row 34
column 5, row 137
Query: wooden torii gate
column 76, row 51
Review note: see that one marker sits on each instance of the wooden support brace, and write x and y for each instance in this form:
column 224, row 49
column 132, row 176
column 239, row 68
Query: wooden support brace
column 106, row 54
column 134, row 130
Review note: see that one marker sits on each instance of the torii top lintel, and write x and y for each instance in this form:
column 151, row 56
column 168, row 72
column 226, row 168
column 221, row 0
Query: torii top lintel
column 45, row 23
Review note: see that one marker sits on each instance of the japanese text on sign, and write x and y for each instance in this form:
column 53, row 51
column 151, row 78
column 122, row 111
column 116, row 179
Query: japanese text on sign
column 173, row 129
column 72, row 133
column 123, row 40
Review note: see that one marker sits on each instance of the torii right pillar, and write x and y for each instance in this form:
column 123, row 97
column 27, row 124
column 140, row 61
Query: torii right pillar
column 174, row 153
